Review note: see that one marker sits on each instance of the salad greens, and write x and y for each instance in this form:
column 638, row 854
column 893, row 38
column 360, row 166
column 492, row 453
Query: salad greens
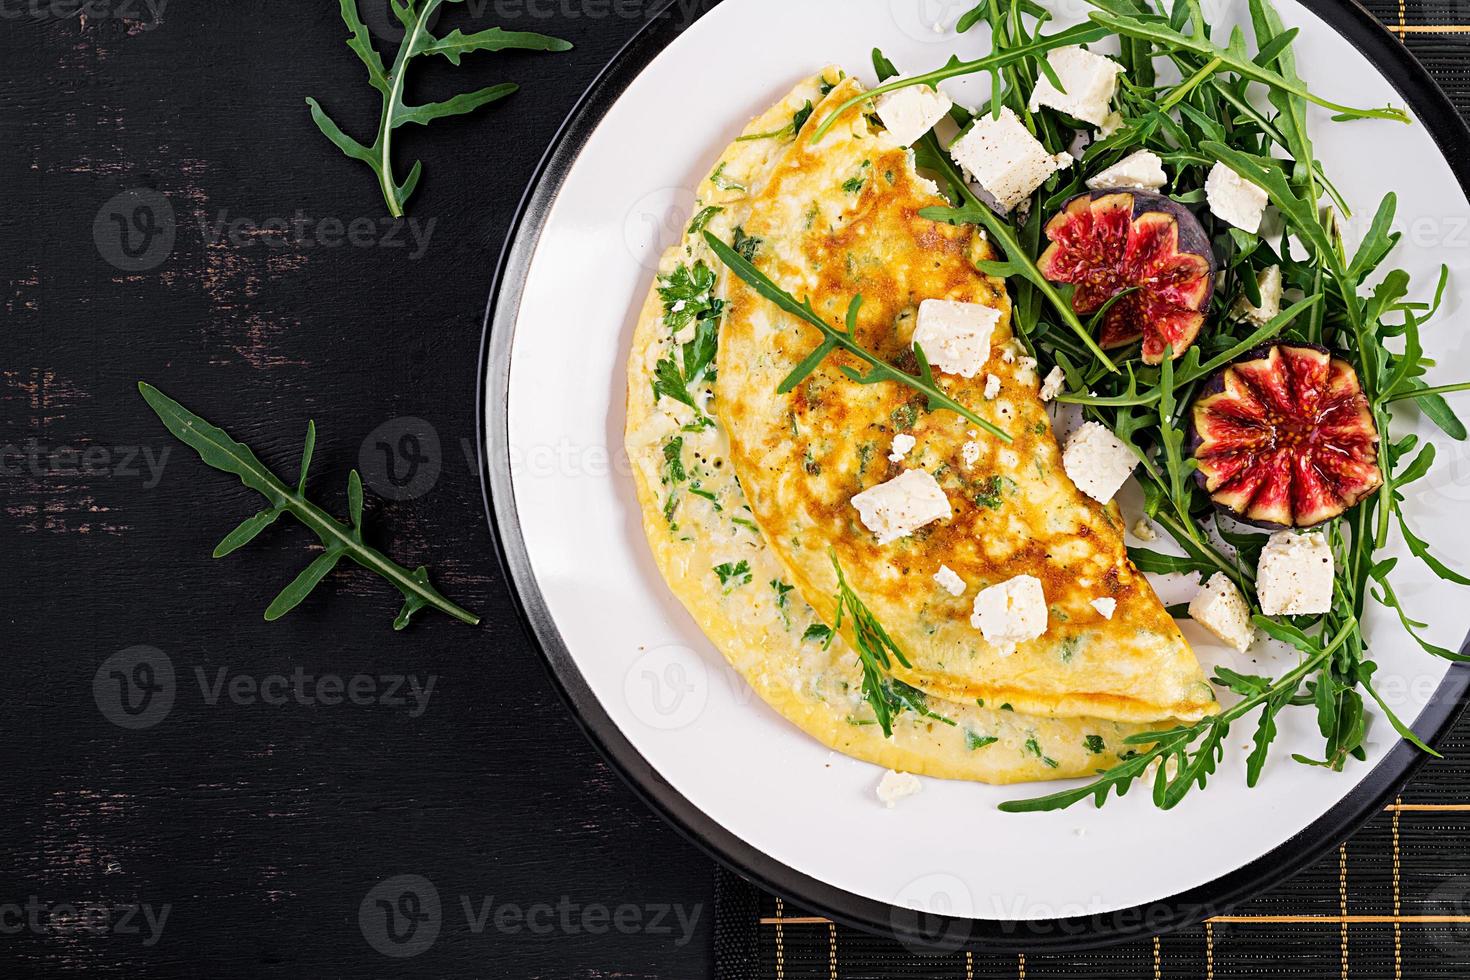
column 217, row 449
column 1349, row 301
column 416, row 16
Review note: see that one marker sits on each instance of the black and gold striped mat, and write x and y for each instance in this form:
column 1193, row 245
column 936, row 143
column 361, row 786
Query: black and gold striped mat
column 1392, row 902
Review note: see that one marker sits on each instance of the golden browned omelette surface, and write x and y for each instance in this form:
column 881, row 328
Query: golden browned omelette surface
column 699, row 526
column 839, row 218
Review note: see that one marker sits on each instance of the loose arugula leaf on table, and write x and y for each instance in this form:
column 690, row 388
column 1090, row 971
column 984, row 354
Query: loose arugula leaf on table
column 834, row 339
column 217, row 449
column 416, row 16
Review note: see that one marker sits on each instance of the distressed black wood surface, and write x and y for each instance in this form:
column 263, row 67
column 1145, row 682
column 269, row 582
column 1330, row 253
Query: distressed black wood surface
column 262, row 828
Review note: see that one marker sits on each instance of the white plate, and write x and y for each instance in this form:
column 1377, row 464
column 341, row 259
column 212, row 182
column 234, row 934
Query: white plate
column 659, row 698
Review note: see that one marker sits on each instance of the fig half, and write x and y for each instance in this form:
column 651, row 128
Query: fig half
column 1109, row 241
column 1284, row 437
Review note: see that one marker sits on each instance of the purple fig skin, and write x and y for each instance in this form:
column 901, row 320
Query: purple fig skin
column 1213, row 386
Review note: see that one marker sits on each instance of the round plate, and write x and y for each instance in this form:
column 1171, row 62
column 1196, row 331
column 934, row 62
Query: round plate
column 653, row 694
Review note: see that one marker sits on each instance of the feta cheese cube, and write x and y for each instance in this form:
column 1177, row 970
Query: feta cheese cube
column 992, row 387
column 1220, row 608
column 902, row 444
column 955, row 336
column 949, row 580
column 911, row 112
column 1268, row 281
column 1234, row 199
column 1142, row 171
column 1090, row 81
column 1105, row 606
column 1097, row 462
column 1012, row 612
column 901, row 506
column 1053, row 385
column 1006, row 160
column 895, row 786
column 1294, row 577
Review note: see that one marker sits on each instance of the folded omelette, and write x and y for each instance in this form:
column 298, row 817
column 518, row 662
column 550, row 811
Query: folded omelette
column 746, row 494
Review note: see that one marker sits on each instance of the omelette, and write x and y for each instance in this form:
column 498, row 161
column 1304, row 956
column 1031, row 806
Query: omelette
column 740, row 542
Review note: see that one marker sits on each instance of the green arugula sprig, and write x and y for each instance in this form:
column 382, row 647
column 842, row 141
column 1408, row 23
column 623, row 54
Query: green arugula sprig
column 217, row 449
column 416, row 16
column 876, row 652
column 1212, row 116
column 834, row 339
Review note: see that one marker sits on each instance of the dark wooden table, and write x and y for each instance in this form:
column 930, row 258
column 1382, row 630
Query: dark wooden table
column 246, row 830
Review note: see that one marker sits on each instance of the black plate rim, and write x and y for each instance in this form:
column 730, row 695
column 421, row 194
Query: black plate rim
column 920, row 931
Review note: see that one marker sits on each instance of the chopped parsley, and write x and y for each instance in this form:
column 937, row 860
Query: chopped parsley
column 1069, row 648
column 733, row 576
column 783, row 593
column 703, row 218
column 724, row 183
column 902, row 697
column 687, row 295
column 674, row 460
column 817, row 631
column 1034, row 747
column 991, row 492
column 799, row 118
column 745, row 244
column 700, row 491
column 973, row 741
column 1094, row 744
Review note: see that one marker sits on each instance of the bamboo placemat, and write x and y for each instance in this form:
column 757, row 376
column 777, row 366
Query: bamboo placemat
column 1392, row 902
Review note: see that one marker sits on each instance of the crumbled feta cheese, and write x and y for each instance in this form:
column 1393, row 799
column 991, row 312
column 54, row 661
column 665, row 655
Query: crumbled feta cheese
column 1294, row 577
column 1105, row 606
column 992, row 387
column 1142, row 171
column 1090, row 81
column 949, row 580
column 970, row 453
column 901, row 506
column 1268, row 281
column 1053, row 385
column 1006, row 160
column 911, row 112
column 955, row 336
column 1012, row 612
column 902, row 443
column 1008, row 352
column 1234, row 199
column 895, row 786
column 1144, row 531
column 1220, row 608
column 1097, row 462
column 1111, row 123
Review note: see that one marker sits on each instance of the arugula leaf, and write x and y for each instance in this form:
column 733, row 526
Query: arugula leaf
column 419, row 41
column 217, row 449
